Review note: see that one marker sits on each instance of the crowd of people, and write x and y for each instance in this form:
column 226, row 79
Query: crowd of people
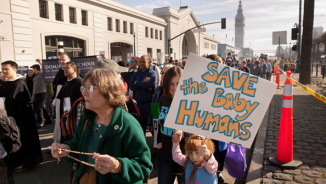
column 108, row 144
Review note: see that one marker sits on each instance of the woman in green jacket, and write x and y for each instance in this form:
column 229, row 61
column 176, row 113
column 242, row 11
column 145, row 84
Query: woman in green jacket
column 113, row 136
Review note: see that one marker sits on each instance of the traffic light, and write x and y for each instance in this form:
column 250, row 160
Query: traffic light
column 295, row 33
column 294, row 47
column 171, row 50
column 223, row 23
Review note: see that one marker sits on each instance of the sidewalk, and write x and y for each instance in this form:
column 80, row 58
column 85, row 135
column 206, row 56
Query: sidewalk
column 309, row 141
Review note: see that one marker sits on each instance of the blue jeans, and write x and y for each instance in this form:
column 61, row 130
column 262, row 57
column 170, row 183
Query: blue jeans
column 145, row 110
column 168, row 169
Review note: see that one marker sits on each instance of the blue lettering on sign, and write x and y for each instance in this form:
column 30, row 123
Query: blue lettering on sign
column 162, row 117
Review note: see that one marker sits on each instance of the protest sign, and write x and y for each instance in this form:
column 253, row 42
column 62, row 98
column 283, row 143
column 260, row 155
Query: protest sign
column 51, row 66
column 22, row 70
column 219, row 102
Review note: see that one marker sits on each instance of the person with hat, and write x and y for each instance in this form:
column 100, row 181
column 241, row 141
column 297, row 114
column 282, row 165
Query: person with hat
column 39, row 94
column 229, row 57
column 243, row 66
column 229, row 63
column 255, row 69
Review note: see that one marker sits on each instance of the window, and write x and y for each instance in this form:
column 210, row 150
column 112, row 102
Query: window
column 149, row 52
column 43, row 9
column 131, row 28
column 156, row 34
column 146, row 32
column 72, row 15
column 117, row 25
column 74, row 47
column 159, row 56
column 109, row 24
column 151, row 32
column 124, row 26
column 58, row 12
column 84, row 17
column 160, row 35
column 213, row 47
column 206, row 45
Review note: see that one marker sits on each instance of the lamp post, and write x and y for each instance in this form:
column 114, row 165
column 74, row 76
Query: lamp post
column 134, row 34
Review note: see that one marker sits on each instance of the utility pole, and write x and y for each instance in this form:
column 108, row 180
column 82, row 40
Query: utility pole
column 290, row 51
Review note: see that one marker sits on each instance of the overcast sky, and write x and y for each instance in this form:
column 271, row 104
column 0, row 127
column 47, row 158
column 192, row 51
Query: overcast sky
column 262, row 17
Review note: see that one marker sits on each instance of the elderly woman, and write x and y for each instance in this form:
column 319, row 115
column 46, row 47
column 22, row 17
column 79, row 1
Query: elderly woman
column 108, row 141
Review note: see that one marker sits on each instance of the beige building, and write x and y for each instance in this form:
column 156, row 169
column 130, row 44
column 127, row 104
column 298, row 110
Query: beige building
column 32, row 29
column 179, row 21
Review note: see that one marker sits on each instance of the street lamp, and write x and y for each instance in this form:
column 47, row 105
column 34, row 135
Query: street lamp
column 170, row 39
column 134, row 34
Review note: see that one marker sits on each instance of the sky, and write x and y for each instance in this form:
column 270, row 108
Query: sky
column 262, row 18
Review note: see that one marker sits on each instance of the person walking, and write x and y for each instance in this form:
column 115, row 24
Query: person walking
column 255, row 69
column 70, row 91
column 114, row 139
column 58, row 81
column 269, row 70
column 17, row 104
column 262, row 65
column 167, row 168
column 39, row 94
column 29, row 80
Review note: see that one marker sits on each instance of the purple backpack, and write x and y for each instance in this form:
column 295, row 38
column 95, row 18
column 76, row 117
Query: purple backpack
column 236, row 160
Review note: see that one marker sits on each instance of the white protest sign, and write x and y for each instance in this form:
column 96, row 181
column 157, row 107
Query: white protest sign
column 219, row 102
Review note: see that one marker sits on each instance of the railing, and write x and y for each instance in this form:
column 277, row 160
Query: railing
column 319, row 66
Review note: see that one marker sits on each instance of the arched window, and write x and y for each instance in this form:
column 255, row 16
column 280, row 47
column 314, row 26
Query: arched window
column 74, row 47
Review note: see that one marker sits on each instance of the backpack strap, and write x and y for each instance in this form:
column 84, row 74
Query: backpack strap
column 70, row 124
column 62, row 124
column 136, row 107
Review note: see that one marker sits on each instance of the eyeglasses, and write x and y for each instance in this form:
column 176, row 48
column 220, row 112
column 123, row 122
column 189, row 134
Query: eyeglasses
column 89, row 88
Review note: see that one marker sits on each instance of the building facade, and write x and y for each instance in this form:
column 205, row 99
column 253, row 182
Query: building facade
column 32, row 29
column 224, row 49
column 317, row 32
column 179, row 21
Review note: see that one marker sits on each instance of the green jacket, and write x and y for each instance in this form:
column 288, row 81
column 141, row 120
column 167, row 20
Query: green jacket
column 123, row 139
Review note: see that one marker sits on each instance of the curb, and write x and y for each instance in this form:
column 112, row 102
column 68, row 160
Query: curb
column 255, row 171
column 256, row 167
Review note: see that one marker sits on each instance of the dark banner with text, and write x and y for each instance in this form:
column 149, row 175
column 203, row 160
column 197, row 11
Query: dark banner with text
column 51, row 66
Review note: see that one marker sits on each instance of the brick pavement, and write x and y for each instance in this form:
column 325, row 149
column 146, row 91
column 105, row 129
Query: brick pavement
column 309, row 141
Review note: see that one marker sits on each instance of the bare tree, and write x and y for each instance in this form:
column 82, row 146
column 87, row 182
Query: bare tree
column 308, row 22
